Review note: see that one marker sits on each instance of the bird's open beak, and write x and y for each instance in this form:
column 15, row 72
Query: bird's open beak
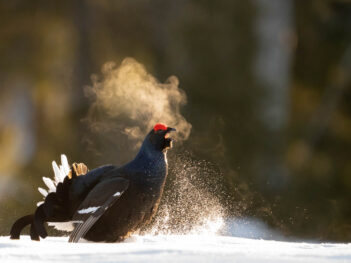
column 169, row 129
column 168, row 139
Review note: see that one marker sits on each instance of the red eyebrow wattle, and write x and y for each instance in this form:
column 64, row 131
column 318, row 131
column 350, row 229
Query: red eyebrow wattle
column 160, row 126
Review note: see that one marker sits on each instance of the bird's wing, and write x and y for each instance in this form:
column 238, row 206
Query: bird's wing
column 101, row 197
column 82, row 184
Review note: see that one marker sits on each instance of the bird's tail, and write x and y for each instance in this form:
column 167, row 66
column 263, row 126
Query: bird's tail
column 56, row 205
column 20, row 224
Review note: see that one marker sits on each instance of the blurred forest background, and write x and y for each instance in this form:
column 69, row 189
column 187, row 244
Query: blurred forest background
column 268, row 96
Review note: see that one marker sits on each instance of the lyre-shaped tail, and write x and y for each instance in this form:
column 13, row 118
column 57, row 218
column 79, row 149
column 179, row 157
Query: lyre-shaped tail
column 56, row 205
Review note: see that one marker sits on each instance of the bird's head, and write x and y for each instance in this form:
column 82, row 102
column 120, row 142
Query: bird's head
column 160, row 138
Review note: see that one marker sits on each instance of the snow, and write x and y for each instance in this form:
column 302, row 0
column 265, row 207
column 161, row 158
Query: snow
column 172, row 248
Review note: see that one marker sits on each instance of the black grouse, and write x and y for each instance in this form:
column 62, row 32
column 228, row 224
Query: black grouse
column 107, row 203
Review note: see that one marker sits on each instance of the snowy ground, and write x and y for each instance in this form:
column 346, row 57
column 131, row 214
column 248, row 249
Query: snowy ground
column 171, row 248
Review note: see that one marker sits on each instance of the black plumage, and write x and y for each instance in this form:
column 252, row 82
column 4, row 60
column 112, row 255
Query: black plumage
column 107, row 203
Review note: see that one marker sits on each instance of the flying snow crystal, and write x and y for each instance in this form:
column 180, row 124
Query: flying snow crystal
column 189, row 205
column 138, row 99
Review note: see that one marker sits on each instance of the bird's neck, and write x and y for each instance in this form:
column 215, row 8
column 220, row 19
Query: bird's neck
column 151, row 155
column 150, row 162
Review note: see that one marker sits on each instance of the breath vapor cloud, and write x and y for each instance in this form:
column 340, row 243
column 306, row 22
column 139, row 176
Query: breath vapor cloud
column 136, row 100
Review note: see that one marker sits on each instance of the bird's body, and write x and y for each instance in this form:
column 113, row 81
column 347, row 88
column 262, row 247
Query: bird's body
column 138, row 203
column 107, row 203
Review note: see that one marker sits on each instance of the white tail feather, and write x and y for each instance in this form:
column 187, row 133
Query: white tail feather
column 50, row 184
column 43, row 191
column 57, row 173
column 60, row 172
column 65, row 164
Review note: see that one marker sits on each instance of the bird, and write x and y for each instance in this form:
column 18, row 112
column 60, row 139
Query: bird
column 106, row 204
